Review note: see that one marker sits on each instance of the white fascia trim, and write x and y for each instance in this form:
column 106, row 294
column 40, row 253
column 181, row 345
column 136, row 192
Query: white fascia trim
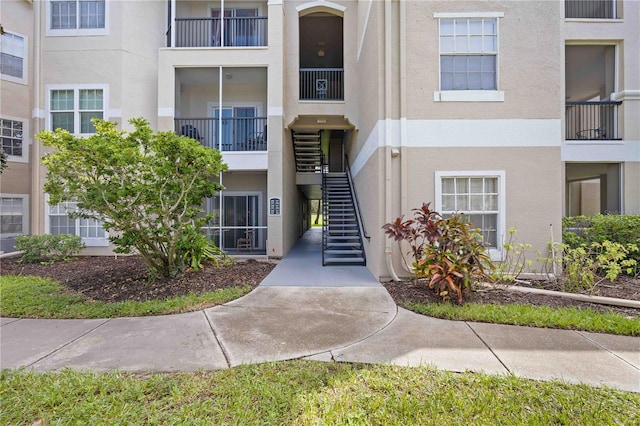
column 25, row 212
column 74, row 32
column 496, row 254
column 26, row 139
column 468, row 96
column 599, row 152
column 626, row 95
column 468, row 15
column 246, row 160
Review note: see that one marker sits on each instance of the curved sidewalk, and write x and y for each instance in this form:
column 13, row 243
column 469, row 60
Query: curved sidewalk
column 302, row 310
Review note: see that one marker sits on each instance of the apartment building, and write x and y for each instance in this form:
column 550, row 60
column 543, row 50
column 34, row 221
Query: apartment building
column 515, row 113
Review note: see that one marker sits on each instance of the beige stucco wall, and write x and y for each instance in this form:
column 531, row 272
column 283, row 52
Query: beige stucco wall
column 16, row 98
column 528, row 60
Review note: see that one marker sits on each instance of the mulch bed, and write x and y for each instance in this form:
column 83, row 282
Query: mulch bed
column 112, row 279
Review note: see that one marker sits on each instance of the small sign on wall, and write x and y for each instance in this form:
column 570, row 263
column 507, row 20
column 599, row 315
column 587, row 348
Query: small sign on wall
column 274, row 206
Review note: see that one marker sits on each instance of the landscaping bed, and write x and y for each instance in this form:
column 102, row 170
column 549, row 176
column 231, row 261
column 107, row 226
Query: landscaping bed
column 623, row 288
column 115, row 279
column 122, row 278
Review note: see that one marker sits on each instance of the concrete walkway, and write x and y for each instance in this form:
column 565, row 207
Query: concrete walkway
column 302, row 310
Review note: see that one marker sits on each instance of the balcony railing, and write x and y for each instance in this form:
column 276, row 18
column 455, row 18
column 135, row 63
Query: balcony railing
column 226, row 134
column 592, row 120
column 590, row 9
column 239, row 240
column 321, row 84
column 207, row 32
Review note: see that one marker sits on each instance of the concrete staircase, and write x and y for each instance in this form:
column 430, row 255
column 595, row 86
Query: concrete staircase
column 342, row 242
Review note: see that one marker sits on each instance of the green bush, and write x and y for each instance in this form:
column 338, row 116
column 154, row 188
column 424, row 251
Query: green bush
column 623, row 229
column 48, row 247
column 584, row 231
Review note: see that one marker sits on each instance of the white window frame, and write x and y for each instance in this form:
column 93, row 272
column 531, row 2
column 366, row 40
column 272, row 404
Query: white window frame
column 497, row 253
column 25, row 214
column 66, row 32
column 24, row 158
column 76, row 103
column 470, row 95
column 88, row 241
column 25, row 57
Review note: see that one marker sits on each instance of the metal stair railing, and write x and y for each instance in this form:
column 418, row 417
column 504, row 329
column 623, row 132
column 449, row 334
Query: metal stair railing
column 356, row 203
column 325, row 208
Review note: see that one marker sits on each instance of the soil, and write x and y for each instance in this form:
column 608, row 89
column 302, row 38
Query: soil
column 111, row 279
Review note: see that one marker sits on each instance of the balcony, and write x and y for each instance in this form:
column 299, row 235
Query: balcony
column 217, row 32
column 592, row 120
column 226, row 133
column 590, row 9
column 321, row 84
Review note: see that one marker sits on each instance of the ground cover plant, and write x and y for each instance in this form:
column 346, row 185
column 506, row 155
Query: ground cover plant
column 145, row 187
column 306, row 393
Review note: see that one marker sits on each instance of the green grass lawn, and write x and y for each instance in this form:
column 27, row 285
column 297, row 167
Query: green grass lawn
column 307, row 393
column 35, row 297
column 533, row 316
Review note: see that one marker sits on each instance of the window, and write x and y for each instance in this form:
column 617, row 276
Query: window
column 73, row 109
column 13, row 215
column 480, row 196
column 90, row 230
column 13, row 51
column 469, row 57
column 468, row 51
column 12, row 134
column 77, row 17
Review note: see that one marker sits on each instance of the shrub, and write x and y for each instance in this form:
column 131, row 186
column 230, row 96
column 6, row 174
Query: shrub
column 147, row 188
column 446, row 251
column 582, row 264
column 48, row 247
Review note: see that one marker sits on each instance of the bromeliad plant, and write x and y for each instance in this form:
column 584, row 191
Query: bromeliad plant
column 446, row 251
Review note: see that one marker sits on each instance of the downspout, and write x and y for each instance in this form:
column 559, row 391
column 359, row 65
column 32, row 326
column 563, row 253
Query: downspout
column 220, row 197
column 37, row 116
column 388, row 250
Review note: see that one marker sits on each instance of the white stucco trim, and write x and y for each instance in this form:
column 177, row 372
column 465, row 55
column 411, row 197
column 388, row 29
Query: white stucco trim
column 25, row 213
column 364, row 28
column 50, row 32
column 468, row 96
column 165, row 112
column 607, row 151
column 468, row 15
column 307, row 8
column 246, row 160
column 462, row 133
column 626, row 95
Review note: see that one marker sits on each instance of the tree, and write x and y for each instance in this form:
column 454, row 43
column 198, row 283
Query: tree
column 146, row 188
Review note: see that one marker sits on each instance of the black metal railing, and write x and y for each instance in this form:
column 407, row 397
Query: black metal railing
column 325, row 84
column 592, row 120
column 590, row 9
column 226, row 134
column 207, row 32
column 356, row 203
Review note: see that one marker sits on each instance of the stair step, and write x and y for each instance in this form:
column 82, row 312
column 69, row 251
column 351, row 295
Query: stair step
column 343, row 260
column 355, row 246
column 345, row 252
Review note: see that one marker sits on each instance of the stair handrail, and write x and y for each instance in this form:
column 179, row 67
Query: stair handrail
column 325, row 202
column 356, row 203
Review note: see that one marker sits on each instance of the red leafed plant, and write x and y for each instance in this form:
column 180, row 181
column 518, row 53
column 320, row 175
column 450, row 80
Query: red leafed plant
column 446, row 251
